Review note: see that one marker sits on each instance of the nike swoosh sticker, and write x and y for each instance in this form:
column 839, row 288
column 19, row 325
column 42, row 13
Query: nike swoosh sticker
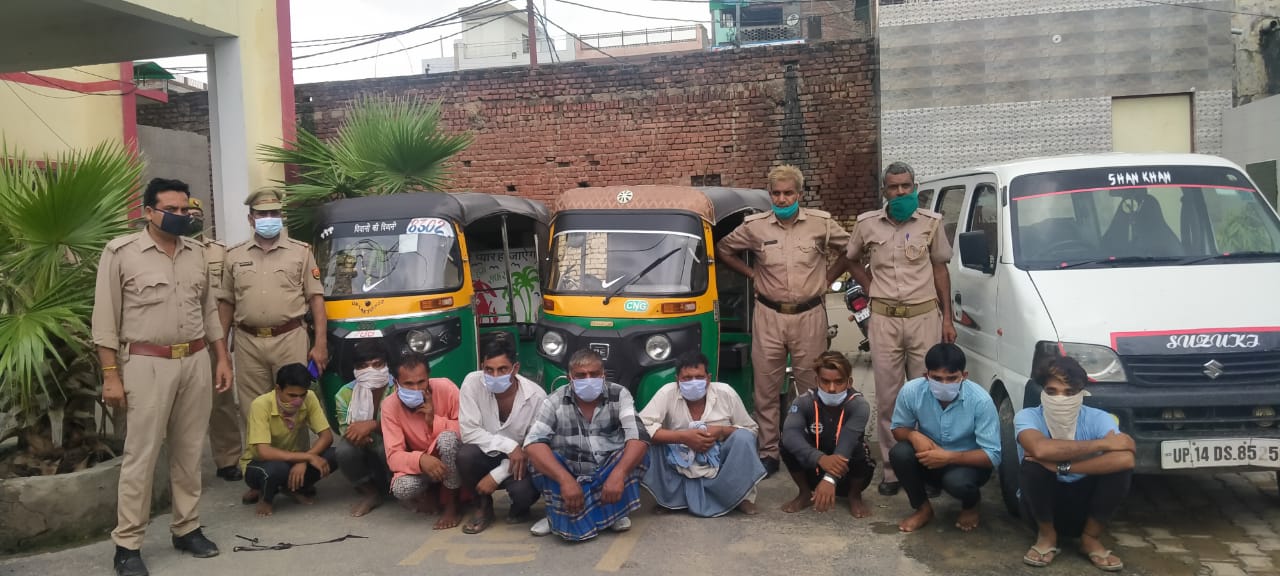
column 612, row 282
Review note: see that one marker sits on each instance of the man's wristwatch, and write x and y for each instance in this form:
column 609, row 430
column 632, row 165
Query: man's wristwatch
column 1064, row 468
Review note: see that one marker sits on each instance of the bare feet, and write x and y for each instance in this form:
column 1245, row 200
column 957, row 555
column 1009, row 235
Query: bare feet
column 426, row 504
column 450, row 518
column 918, row 519
column 748, row 508
column 858, row 508
column 302, row 499
column 802, row 500
column 968, row 519
column 370, row 500
column 251, row 496
column 263, row 509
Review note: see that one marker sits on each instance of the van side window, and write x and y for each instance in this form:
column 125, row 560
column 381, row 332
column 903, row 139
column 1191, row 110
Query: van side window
column 950, row 200
column 984, row 215
column 926, row 199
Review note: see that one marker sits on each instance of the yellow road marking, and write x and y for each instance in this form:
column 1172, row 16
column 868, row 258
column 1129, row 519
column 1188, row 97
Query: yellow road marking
column 621, row 548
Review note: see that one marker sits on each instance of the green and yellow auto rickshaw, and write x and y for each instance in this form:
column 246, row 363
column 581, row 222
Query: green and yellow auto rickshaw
column 428, row 272
column 630, row 273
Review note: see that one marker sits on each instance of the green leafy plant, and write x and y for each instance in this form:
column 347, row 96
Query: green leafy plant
column 55, row 219
column 385, row 146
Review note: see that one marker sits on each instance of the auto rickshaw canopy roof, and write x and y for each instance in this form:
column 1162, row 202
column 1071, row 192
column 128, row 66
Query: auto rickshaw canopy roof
column 460, row 207
column 712, row 204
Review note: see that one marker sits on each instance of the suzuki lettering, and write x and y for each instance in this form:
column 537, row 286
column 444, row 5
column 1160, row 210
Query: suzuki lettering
column 1229, row 340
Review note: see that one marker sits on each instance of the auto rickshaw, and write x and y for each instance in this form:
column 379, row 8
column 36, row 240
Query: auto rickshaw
column 630, row 273
column 428, row 272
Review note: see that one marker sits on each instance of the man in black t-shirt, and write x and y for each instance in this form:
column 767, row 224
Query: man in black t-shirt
column 824, row 443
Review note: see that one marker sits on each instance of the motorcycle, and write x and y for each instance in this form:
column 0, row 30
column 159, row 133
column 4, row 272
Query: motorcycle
column 857, row 301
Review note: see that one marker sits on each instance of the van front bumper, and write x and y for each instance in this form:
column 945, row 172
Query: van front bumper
column 1154, row 415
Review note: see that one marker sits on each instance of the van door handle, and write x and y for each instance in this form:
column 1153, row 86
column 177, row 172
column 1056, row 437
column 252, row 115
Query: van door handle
column 956, row 299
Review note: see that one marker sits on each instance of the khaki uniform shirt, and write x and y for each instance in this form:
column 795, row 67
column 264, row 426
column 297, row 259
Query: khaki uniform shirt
column 269, row 287
column 143, row 295
column 790, row 260
column 902, row 255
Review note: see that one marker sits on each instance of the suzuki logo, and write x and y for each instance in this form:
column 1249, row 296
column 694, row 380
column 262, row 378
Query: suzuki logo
column 1213, row 369
column 601, row 349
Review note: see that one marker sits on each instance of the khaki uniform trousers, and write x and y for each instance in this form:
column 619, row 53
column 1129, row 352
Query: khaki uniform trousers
column 166, row 399
column 224, row 429
column 774, row 335
column 258, row 360
column 898, row 346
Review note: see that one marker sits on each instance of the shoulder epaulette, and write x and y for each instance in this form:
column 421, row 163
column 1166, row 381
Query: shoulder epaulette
column 756, row 216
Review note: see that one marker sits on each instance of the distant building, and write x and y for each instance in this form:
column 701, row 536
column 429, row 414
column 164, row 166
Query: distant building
column 759, row 22
column 642, row 42
column 496, row 37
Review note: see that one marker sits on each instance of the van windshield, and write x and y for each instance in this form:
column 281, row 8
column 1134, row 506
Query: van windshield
column 1140, row 216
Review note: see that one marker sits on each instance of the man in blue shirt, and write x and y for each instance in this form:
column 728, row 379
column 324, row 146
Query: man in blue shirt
column 1076, row 466
column 948, row 435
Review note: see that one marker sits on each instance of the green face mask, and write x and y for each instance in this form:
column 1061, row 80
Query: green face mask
column 787, row 213
column 195, row 227
column 904, row 206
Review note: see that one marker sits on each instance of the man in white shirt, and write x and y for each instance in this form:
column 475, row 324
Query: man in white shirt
column 703, row 455
column 497, row 408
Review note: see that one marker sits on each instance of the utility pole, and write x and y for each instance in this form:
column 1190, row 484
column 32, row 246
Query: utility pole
column 533, row 34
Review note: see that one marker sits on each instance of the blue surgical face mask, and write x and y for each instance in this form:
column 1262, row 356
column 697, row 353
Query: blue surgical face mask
column 412, row 399
column 588, row 389
column 944, row 392
column 693, row 390
column 268, row 226
column 497, row 384
column 787, row 212
column 830, row 399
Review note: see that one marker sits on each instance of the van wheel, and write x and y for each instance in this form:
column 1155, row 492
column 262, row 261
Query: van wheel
column 1008, row 458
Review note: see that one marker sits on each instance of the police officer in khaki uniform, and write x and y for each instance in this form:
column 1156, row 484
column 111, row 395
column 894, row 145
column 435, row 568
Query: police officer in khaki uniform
column 268, row 282
column 910, row 294
column 154, row 318
column 224, row 419
column 790, row 248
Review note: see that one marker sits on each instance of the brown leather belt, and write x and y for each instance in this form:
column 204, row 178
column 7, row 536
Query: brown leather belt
column 790, row 308
column 898, row 310
column 173, row 352
column 272, row 331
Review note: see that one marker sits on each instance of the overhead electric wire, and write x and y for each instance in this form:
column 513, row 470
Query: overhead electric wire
column 434, row 23
column 575, row 37
column 589, row 7
column 495, row 18
column 37, row 115
column 23, row 85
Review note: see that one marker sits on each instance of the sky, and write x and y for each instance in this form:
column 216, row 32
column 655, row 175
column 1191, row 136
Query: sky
column 318, row 19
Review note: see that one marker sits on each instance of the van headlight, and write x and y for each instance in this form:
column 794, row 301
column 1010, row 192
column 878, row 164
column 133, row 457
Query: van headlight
column 419, row 341
column 1100, row 363
column 658, row 347
column 552, row 344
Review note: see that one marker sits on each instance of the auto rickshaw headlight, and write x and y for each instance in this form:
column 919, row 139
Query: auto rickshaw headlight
column 658, row 347
column 419, row 341
column 552, row 344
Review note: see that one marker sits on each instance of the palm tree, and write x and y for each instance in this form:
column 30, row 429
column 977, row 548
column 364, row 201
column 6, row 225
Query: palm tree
column 385, row 146
column 55, row 219
column 524, row 282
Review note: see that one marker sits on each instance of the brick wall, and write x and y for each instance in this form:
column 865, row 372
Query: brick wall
column 705, row 116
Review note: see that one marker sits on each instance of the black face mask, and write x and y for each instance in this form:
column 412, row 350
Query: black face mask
column 195, row 227
column 174, row 224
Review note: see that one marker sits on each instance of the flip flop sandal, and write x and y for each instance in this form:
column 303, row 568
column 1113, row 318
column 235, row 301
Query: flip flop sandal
column 1041, row 562
column 1096, row 557
column 476, row 525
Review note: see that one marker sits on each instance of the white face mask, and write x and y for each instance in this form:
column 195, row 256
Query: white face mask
column 1062, row 413
column 372, row 378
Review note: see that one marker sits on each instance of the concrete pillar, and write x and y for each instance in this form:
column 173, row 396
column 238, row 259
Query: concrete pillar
column 229, row 140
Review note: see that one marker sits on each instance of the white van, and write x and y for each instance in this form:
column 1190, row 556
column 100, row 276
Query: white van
column 1160, row 273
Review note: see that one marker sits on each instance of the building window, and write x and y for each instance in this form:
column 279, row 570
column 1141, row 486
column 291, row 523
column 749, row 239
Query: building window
column 524, row 43
column 726, row 19
column 815, row 27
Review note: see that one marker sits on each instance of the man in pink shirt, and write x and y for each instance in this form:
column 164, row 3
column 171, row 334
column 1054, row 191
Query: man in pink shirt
column 421, row 435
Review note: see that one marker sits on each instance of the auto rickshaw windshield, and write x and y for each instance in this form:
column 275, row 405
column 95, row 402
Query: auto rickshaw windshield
column 389, row 264
column 628, row 262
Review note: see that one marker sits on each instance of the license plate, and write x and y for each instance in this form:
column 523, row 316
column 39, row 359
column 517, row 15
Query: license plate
column 862, row 314
column 1218, row 453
